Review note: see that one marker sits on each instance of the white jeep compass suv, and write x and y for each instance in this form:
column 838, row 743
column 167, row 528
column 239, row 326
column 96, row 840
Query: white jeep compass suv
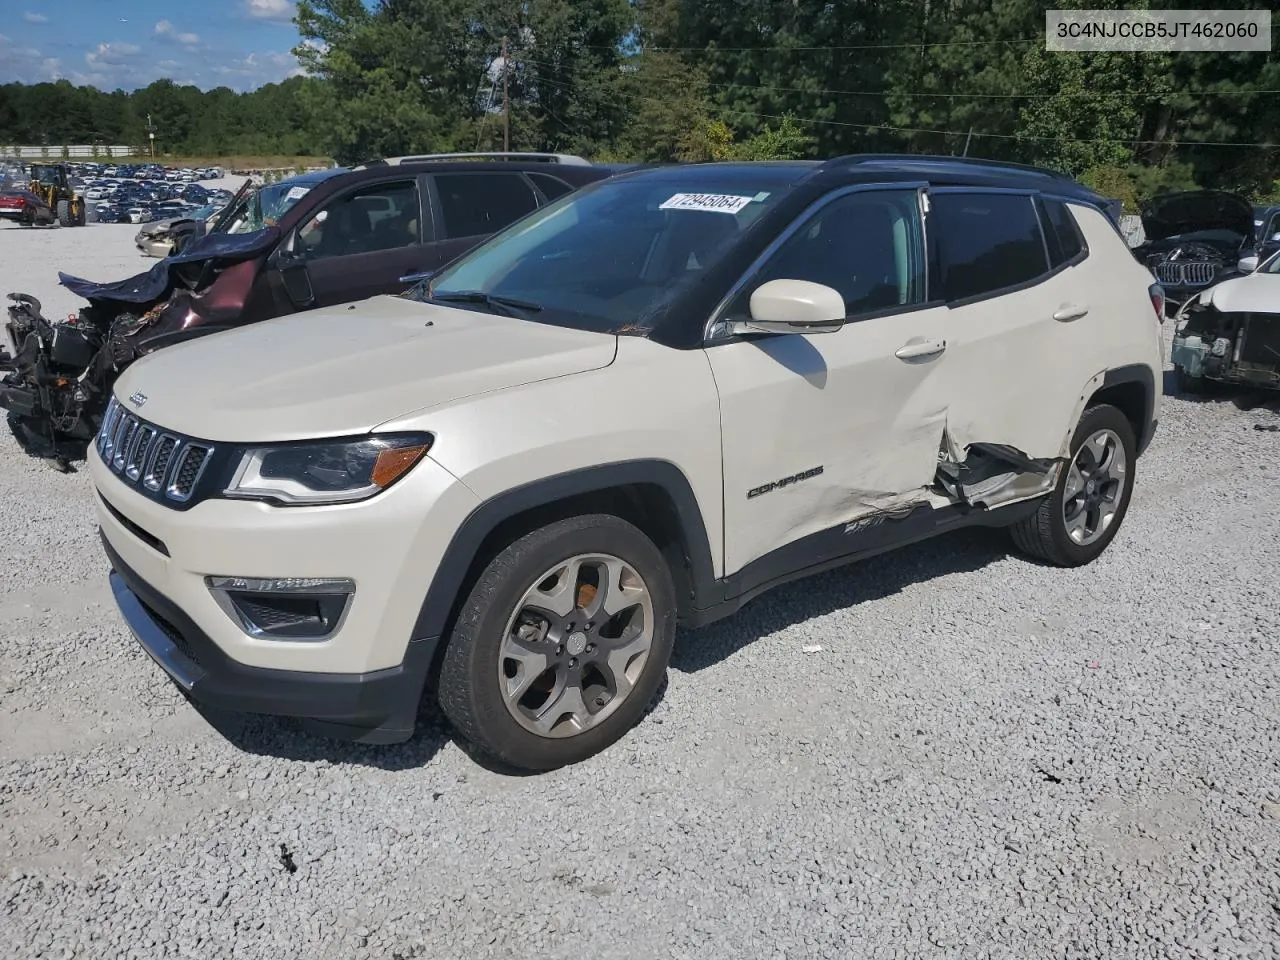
column 638, row 407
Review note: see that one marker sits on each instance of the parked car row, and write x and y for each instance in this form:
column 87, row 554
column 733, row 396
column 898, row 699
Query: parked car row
column 609, row 402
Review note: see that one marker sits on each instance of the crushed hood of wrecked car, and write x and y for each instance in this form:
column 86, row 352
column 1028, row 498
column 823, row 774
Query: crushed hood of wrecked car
column 1254, row 293
column 344, row 370
column 155, row 283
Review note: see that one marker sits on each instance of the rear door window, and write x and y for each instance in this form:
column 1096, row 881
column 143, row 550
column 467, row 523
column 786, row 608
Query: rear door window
column 986, row 242
column 473, row 204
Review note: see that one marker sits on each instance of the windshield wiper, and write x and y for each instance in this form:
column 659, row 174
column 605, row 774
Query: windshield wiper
column 508, row 305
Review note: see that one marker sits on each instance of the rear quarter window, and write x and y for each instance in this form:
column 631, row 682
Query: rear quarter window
column 986, row 242
column 1061, row 232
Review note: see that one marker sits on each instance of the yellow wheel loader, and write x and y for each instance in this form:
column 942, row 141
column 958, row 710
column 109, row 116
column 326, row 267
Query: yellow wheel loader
column 49, row 181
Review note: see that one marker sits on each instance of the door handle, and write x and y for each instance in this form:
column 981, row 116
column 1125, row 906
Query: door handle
column 1069, row 311
column 920, row 348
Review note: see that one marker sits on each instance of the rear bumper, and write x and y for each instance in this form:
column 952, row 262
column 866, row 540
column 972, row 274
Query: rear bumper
column 376, row 707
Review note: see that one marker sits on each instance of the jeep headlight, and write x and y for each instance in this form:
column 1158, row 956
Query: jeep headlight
column 328, row 471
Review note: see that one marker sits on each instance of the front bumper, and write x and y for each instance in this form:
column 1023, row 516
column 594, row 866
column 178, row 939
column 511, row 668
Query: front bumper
column 159, row 247
column 376, row 707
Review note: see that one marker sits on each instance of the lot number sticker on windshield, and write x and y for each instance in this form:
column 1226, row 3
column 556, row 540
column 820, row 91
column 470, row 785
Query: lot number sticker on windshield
column 716, row 202
column 296, row 193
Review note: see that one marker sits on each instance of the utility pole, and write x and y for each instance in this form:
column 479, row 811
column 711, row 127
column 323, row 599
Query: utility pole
column 151, row 136
column 506, row 103
column 966, row 142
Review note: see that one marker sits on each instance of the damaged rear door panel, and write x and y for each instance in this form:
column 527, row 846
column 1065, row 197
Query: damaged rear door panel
column 820, row 429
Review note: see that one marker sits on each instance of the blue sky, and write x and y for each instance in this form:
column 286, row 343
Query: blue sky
column 127, row 44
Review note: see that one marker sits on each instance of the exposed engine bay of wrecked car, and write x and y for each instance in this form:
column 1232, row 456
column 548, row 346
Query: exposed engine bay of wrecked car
column 60, row 372
column 1230, row 333
column 1194, row 239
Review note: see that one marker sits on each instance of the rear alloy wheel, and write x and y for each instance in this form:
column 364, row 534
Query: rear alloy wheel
column 561, row 645
column 1074, row 524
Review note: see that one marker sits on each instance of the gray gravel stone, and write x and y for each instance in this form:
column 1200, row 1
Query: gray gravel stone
column 988, row 759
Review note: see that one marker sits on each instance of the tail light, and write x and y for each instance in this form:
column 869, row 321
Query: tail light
column 1156, row 292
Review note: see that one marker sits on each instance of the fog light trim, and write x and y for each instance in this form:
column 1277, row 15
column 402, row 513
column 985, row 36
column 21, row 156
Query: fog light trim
column 331, row 597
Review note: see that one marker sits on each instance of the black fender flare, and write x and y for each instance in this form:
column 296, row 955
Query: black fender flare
column 443, row 592
column 1140, row 374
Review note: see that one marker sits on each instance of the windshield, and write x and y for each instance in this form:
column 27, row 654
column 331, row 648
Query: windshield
column 263, row 207
column 612, row 255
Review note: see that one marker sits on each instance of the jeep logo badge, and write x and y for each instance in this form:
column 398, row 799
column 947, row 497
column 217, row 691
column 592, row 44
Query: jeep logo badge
column 138, row 399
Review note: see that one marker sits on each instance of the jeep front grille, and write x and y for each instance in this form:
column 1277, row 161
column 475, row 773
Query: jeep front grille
column 1186, row 273
column 144, row 455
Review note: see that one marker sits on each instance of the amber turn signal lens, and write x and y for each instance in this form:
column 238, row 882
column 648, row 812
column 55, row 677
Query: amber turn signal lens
column 392, row 464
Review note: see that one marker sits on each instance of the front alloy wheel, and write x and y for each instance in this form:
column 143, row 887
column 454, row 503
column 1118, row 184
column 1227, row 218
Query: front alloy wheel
column 562, row 643
column 576, row 644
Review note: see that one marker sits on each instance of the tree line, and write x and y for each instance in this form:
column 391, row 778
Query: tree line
column 687, row 80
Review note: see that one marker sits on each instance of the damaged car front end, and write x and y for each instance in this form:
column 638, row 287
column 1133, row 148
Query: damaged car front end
column 1231, row 333
column 1194, row 240
column 60, row 372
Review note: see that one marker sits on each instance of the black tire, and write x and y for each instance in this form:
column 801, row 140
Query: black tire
column 82, row 214
column 468, row 687
column 1043, row 535
column 1186, row 383
column 64, row 213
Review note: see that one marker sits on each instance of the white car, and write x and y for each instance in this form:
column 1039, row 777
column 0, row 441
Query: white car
column 138, row 215
column 640, row 406
column 1230, row 333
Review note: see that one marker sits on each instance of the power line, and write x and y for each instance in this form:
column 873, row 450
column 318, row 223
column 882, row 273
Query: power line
column 811, row 49
column 946, row 96
column 961, row 133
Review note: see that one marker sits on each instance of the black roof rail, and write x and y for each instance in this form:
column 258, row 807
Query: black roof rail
column 942, row 161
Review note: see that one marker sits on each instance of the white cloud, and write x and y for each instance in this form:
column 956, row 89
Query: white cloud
column 26, row 64
column 167, row 31
column 35, row 17
column 111, row 54
column 279, row 11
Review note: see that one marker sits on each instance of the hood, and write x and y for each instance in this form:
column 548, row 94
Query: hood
column 1254, row 293
column 161, row 226
column 156, row 283
column 1179, row 213
column 344, row 370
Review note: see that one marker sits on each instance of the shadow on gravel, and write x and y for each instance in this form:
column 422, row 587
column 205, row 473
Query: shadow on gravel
column 286, row 739
column 962, row 551
column 1215, row 391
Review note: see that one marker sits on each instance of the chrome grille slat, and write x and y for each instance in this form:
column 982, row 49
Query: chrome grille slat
column 186, row 474
column 165, row 465
column 1197, row 272
column 161, row 460
column 124, row 438
column 144, row 437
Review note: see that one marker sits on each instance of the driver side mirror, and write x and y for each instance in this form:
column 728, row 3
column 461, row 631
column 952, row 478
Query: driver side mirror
column 794, row 306
column 1248, row 263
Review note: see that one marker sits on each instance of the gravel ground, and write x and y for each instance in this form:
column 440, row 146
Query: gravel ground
column 987, row 758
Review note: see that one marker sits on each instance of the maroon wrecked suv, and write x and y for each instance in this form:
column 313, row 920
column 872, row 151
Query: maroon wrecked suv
column 314, row 240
